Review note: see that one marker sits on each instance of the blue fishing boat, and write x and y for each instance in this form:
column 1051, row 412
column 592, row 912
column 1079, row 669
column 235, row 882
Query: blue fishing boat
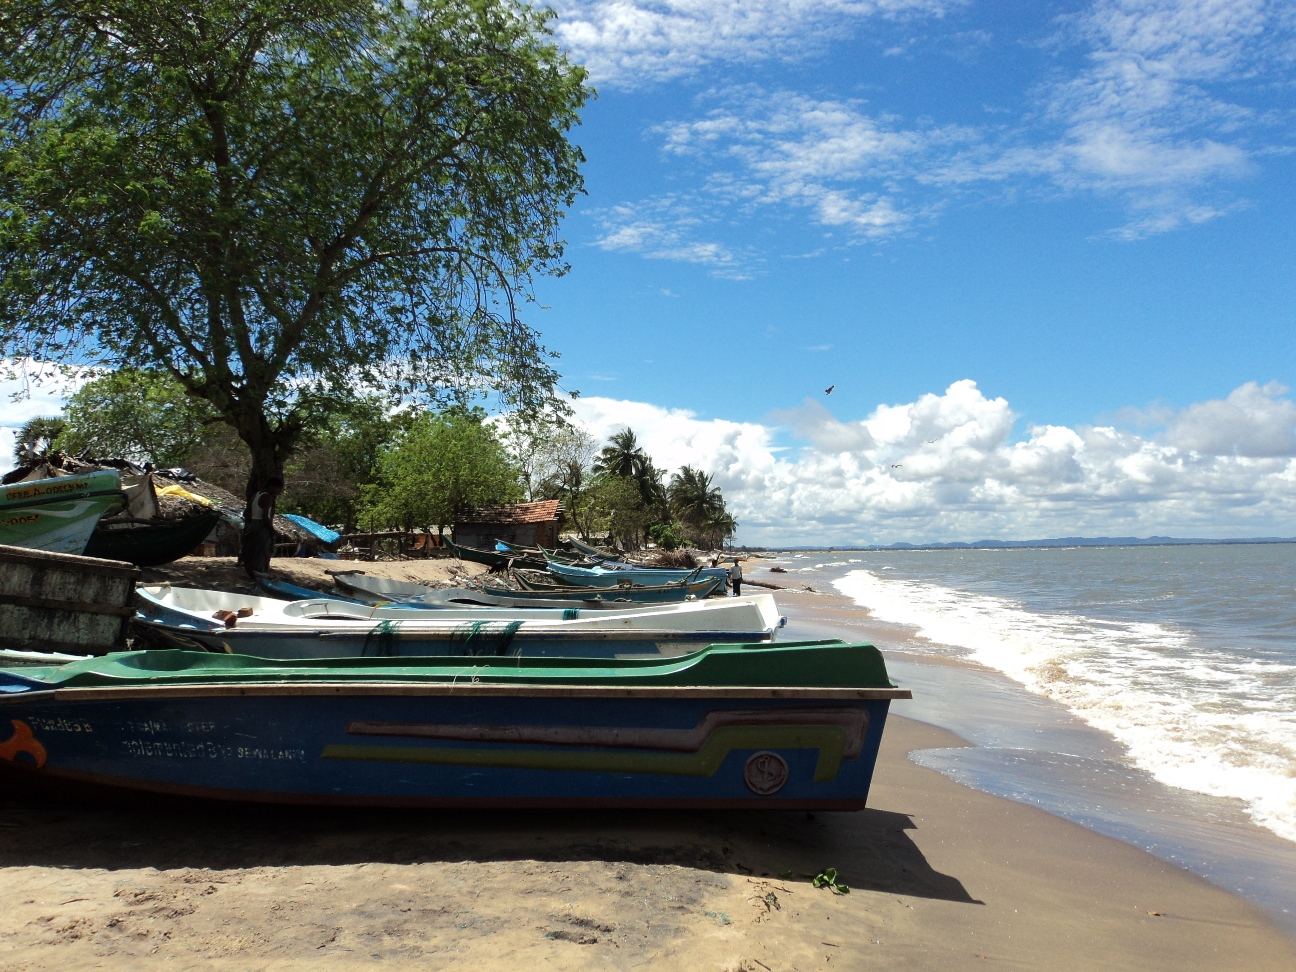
column 644, row 577
column 794, row 726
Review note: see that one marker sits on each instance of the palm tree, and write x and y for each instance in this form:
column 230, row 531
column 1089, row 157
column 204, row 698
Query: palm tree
column 623, row 456
column 693, row 498
column 37, row 436
column 720, row 526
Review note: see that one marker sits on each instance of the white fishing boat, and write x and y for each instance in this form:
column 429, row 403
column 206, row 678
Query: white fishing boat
column 327, row 628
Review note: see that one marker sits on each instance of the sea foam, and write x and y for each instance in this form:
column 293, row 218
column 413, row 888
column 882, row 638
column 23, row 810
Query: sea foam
column 1194, row 716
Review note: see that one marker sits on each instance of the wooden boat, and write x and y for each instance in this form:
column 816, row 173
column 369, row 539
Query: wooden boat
column 761, row 727
column 151, row 544
column 58, row 514
column 645, row 577
column 660, row 594
column 383, row 590
column 325, row 628
column 493, row 558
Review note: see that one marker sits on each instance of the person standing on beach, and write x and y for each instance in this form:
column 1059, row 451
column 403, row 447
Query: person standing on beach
column 259, row 537
column 735, row 578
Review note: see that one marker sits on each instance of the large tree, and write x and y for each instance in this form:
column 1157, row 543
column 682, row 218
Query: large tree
column 276, row 201
column 436, row 466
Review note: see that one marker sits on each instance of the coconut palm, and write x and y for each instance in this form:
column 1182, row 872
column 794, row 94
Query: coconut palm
column 623, row 456
column 693, row 498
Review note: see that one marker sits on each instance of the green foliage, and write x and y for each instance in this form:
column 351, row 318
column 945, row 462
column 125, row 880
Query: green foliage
column 37, row 436
column 700, row 507
column 666, row 536
column 435, row 466
column 325, row 477
column 141, row 415
column 275, row 201
column 617, row 509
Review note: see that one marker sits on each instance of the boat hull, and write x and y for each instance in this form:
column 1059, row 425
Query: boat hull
column 450, row 746
column 646, row 577
column 57, row 515
column 154, row 544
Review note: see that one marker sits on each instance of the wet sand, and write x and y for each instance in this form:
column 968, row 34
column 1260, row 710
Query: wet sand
column 942, row 877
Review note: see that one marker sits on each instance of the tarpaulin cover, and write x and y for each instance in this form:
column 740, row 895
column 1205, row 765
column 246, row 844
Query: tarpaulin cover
column 316, row 530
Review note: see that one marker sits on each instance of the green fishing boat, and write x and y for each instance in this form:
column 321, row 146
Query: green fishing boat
column 58, row 514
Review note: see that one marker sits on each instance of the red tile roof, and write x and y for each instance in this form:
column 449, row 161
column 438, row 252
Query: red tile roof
column 539, row 512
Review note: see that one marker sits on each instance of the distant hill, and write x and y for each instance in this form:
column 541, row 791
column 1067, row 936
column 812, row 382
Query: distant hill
column 1055, row 542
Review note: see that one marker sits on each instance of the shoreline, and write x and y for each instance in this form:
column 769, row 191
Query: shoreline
column 1025, row 747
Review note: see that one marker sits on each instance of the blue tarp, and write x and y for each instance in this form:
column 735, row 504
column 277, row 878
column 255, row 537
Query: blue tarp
column 316, row 530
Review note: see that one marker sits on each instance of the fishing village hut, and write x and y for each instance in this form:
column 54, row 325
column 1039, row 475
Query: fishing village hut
column 522, row 524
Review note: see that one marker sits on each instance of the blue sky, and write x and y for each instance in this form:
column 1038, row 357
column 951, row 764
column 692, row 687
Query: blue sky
column 1044, row 253
column 1078, row 211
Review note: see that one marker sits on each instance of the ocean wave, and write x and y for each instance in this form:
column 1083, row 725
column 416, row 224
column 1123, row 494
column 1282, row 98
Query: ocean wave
column 1194, row 716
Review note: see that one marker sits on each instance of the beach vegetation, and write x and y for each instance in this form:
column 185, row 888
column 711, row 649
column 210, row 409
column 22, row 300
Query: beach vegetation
column 275, row 203
column 144, row 415
column 37, row 436
column 438, row 464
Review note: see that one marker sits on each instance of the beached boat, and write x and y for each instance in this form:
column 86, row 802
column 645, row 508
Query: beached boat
column 659, row 594
column 493, row 558
column 641, row 577
column 153, row 543
column 325, row 628
column 378, row 590
column 383, row 590
column 58, row 514
column 794, row 726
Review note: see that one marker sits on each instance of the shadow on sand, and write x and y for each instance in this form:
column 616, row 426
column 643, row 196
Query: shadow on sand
column 871, row 849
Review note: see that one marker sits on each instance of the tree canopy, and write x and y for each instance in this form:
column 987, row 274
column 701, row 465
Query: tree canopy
column 439, row 464
column 274, row 201
column 140, row 415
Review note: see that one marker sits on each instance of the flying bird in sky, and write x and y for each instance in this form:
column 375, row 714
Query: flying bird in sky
column 828, row 390
column 895, row 465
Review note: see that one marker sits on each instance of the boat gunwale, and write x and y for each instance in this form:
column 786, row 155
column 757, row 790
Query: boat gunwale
column 289, row 688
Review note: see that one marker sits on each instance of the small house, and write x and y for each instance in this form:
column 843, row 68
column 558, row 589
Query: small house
column 523, row 524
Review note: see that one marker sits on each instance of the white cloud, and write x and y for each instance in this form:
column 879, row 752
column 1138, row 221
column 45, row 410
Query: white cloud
column 829, row 157
column 661, row 229
column 1143, row 118
column 1157, row 116
column 1253, row 421
column 632, row 42
column 947, row 467
column 29, row 389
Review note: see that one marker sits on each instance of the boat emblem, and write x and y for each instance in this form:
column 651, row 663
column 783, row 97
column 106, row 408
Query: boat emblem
column 22, row 741
column 765, row 773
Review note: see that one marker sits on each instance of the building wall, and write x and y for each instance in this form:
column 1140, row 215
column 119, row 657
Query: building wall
column 483, row 535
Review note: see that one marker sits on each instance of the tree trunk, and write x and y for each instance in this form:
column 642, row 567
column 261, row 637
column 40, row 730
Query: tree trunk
column 268, row 454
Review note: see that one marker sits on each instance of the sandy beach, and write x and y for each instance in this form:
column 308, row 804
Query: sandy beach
column 941, row 876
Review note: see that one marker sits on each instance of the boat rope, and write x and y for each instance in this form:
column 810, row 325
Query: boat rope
column 478, row 638
column 381, row 639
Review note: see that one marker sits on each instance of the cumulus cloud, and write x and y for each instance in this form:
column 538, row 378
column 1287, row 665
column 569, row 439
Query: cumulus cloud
column 949, row 466
column 1254, row 421
column 632, row 42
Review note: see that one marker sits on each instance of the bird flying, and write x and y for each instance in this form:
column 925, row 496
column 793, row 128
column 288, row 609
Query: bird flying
column 828, row 390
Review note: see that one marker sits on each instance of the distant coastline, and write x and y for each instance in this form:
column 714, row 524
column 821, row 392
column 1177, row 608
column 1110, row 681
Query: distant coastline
column 1056, row 542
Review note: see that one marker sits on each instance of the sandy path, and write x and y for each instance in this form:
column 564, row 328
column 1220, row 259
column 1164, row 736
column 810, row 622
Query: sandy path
column 944, row 877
